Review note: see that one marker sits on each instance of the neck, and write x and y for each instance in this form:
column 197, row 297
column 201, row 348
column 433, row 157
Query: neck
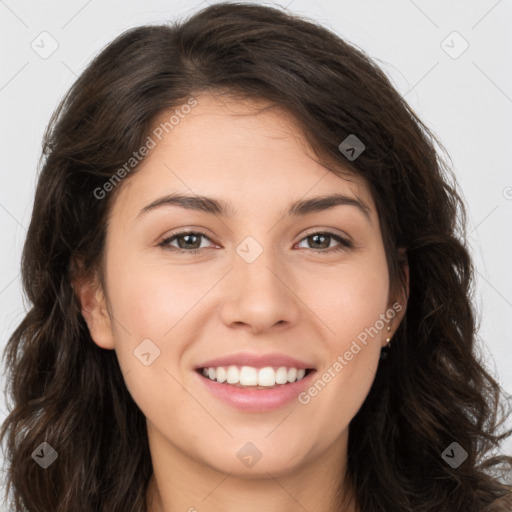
column 180, row 483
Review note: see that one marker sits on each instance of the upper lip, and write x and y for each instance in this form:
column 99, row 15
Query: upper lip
column 256, row 361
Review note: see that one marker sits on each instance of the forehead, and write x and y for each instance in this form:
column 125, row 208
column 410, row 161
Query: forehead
column 243, row 151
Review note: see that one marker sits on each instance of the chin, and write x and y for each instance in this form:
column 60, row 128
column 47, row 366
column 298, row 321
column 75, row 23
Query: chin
column 251, row 463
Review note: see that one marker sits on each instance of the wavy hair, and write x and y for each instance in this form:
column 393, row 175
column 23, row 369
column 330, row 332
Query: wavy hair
column 430, row 390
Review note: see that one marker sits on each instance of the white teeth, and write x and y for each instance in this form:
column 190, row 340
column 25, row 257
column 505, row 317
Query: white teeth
column 281, row 375
column 221, row 374
column 250, row 376
column 266, row 376
column 233, row 375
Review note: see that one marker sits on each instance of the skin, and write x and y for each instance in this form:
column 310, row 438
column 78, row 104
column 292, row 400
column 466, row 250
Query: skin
column 310, row 304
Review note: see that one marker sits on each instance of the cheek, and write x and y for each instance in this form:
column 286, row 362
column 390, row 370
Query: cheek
column 351, row 305
column 161, row 304
column 150, row 300
column 149, row 304
column 350, row 299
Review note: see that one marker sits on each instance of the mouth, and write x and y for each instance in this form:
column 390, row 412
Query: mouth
column 255, row 390
column 253, row 378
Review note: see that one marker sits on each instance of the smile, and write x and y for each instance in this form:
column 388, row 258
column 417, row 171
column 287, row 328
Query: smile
column 253, row 396
column 255, row 378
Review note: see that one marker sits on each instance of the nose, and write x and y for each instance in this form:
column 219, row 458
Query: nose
column 259, row 294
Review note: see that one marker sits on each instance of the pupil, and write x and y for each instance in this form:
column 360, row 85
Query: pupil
column 187, row 237
column 316, row 237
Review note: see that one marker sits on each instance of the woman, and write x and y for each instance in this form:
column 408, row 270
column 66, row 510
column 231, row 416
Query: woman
column 249, row 288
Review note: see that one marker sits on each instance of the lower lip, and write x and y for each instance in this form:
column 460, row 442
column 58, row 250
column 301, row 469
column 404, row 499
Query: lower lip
column 257, row 400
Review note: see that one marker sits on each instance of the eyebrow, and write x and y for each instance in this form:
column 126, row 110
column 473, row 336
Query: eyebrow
column 221, row 208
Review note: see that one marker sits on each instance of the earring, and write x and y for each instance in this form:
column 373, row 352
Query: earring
column 384, row 350
column 388, row 339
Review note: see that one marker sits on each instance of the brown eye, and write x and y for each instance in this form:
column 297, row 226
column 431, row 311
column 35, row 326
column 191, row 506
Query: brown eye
column 319, row 242
column 188, row 242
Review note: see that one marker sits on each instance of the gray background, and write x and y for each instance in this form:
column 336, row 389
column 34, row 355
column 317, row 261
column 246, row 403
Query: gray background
column 465, row 97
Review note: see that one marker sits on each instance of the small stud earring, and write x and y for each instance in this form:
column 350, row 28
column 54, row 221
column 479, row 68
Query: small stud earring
column 384, row 351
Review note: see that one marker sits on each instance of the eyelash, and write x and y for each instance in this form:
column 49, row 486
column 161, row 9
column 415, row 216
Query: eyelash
column 344, row 244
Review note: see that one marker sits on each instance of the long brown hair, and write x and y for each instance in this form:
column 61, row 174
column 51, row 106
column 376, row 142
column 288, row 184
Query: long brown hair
column 429, row 392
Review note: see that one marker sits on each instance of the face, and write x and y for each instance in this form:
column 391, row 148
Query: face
column 254, row 291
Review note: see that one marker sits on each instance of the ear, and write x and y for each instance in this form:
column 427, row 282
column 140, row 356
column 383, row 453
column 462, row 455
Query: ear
column 94, row 310
column 398, row 301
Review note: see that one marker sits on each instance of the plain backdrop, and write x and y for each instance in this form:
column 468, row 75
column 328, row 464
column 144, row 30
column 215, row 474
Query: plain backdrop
column 450, row 60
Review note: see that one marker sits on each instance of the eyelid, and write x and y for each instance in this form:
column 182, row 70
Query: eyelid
column 163, row 242
column 187, row 230
column 344, row 241
column 327, row 231
column 311, row 231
